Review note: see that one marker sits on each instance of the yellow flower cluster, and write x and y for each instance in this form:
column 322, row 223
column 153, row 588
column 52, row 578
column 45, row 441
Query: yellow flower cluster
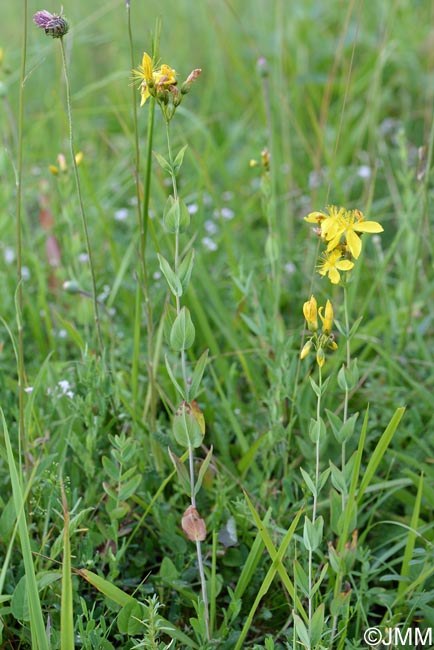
column 339, row 228
column 323, row 340
column 161, row 82
column 63, row 167
column 153, row 80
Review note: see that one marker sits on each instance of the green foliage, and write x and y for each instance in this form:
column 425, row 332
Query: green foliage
column 337, row 104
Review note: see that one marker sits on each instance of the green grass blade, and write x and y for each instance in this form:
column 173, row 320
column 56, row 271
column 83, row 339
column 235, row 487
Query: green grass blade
column 276, row 556
column 409, row 548
column 39, row 637
column 276, row 567
column 379, row 451
column 66, row 607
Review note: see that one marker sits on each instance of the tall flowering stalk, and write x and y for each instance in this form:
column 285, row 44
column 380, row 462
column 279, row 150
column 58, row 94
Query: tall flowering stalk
column 341, row 232
column 320, row 341
column 56, row 26
column 161, row 83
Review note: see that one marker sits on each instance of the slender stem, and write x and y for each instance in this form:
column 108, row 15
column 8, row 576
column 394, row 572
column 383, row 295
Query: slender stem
column 143, row 216
column 318, row 419
column 80, row 200
column 22, row 442
column 338, row 582
column 176, row 261
column 186, row 389
column 346, row 398
column 315, row 497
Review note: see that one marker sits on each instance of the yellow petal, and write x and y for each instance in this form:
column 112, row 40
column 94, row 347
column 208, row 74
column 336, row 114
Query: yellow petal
column 315, row 217
column 354, row 244
column 334, row 241
column 334, row 276
column 344, row 265
column 144, row 93
column 368, row 226
column 147, row 66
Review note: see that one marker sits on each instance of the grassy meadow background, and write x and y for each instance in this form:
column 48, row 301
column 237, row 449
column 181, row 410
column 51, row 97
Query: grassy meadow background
column 346, row 111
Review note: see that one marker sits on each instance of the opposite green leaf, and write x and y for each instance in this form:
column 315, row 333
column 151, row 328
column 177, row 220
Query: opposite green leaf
column 172, row 279
column 183, row 332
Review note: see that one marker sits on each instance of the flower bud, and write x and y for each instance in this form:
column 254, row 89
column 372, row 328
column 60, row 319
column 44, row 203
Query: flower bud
column 262, row 67
column 185, row 88
column 306, row 349
column 70, row 286
column 62, row 162
column 327, row 319
column 310, row 313
column 320, row 357
column 265, row 159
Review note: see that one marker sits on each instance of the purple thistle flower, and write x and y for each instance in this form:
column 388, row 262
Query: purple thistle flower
column 54, row 25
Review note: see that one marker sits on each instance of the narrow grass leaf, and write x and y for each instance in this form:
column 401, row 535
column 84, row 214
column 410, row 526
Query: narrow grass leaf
column 276, row 556
column 39, row 636
column 66, row 604
column 411, row 539
column 379, row 451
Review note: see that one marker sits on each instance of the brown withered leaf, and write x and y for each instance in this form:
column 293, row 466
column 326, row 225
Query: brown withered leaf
column 193, row 525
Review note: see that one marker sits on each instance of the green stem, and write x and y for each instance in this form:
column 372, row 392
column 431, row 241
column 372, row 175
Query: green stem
column 348, row 363
column 338, row 582
column 22, row 439
column 143, row 217
column 315, row 496
column 186, row 389
column 80, row 201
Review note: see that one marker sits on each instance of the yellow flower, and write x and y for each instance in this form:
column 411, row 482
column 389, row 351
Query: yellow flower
column 331, row 263
column 346, row 224
column 160, row 78
column 310, row 313
column 327, row 319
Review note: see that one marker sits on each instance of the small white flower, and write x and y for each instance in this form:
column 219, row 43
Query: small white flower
column 28, row 389
column 62, row 334
column 209, row 244
column 289, row 268
column 192, row 208
column 228, row 195
column 364, row 171
column 211, row 227
column 121, row 214
column 9, row 255
column 157, row 275
column 65, row 388
column 227, row 214
column 83, row 258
